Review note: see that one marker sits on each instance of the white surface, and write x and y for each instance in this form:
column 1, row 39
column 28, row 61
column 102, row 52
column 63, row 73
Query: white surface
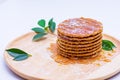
column 17, row 17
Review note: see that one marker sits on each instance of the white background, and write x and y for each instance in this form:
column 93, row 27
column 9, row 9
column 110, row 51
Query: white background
column 17, row 17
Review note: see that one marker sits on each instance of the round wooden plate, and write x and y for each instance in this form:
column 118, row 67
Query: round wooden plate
column 42, row 66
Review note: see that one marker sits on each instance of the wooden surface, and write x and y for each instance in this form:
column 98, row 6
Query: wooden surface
column 42, row 66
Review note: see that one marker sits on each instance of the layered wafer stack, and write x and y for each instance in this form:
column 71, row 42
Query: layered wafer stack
column 79, row 38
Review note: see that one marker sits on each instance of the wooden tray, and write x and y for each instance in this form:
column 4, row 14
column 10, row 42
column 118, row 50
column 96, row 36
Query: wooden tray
column 42, row 66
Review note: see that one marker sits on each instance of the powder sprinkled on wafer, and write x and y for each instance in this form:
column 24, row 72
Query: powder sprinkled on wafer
column 77, row 35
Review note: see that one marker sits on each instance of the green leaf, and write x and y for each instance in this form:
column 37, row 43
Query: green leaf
column 51, row 25
column 38, row 30
column 41, row 22
column 15, row 52
column 38, row 36
column 18, row 54
column 107, row 45
column 50, row 21
column 43, row 30
column 21, row 57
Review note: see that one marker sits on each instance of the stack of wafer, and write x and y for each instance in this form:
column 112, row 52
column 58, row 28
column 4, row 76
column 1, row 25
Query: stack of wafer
column 79, row 38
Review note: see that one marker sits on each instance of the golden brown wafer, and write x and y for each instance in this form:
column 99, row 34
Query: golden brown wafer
column 80, row 48
column 80, row 51
column 68, row 44
column 80, row 27
column 81, row 57
column 78, row 38
column 79, row 54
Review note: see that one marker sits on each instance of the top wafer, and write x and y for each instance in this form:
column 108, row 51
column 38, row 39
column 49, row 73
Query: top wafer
column 80, row 27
